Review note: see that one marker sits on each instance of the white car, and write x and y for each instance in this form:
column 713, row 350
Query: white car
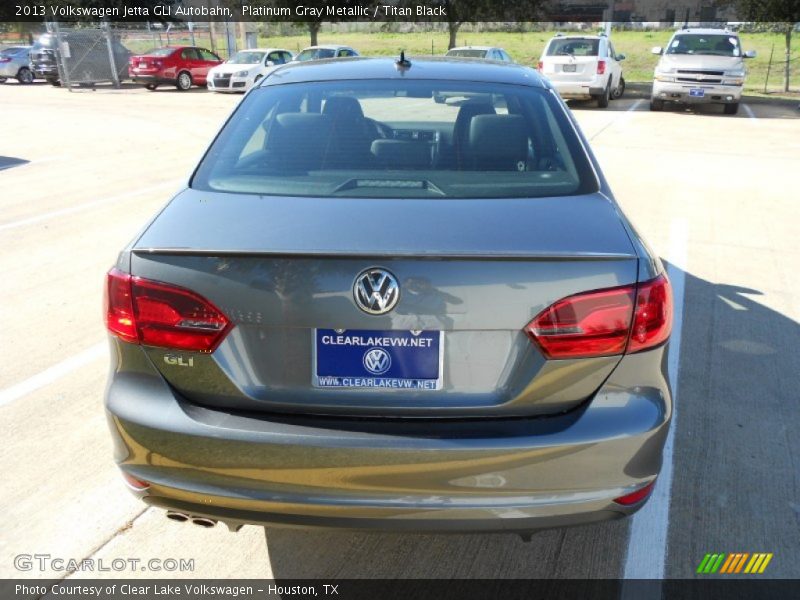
column 240, row 72
column 583, row 67
column 325, row 51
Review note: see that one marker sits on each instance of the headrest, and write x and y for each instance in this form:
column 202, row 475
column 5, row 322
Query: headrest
column 296, row 140
column 498, row 139
column 343, row 107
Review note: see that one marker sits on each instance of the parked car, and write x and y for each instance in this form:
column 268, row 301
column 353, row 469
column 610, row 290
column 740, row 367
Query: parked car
column 246, row 67
column 181, row 66
column 15, row 64
column 369, row 310
column 87, row 59
column 485, row 52
column 703, row 66
column 584, row 67
column 325, row 51
column 477, row 52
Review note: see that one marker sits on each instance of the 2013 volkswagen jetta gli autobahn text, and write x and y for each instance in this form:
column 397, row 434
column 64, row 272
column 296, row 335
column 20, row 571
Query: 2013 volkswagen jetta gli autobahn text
column 368, row 309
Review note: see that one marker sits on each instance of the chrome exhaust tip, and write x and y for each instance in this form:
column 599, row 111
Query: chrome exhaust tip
column 204, row 522
column 177, row 516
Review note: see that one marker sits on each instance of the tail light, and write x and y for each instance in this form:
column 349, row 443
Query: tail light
column 158, row 314
column 652, row 319
column 5, row 59
column 601, row 67
column 637, row 496
column 540, row 65
column 605, row 322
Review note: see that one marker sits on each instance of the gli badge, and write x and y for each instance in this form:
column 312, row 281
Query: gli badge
column 178, row 361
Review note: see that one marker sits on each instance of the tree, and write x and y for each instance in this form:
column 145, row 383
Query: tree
column 782, row 15
column 453, row 22
column 313, row 29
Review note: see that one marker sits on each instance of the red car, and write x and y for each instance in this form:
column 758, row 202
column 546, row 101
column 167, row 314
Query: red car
column 181, row 66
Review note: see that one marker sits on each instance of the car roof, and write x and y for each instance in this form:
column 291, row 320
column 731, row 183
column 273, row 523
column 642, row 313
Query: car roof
column 326, row 47
column 472, row 48
column 577, row 36
column 706, row 31
column 264, row 50
column 422, row 68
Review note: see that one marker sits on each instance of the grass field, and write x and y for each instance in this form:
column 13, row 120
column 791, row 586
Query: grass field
column 526, row 48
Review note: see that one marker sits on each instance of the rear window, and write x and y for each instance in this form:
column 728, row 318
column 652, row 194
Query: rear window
column 386, row 139
column 573, row 47
column 465, row 53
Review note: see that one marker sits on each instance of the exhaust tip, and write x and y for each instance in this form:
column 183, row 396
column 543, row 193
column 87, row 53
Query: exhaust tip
column 177, row 516
column 204, row 522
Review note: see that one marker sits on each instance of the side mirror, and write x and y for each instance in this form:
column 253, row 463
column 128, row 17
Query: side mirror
column 750, row 54
column 620, row 57
column 656, row 50
column 270, row 63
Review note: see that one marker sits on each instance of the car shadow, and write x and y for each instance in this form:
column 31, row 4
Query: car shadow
column 738, row 360
column 9, row 162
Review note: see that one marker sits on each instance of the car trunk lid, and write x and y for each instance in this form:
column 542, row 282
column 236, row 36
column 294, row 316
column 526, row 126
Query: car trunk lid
column 470, row 274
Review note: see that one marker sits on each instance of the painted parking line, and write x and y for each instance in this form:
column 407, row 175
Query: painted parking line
column 750, row 113
column 647, row 546
column 53, row 374
column 86, row 205
column 623, row 118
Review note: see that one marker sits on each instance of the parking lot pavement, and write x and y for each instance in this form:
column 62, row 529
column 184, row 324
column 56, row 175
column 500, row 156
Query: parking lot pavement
column 714, row 195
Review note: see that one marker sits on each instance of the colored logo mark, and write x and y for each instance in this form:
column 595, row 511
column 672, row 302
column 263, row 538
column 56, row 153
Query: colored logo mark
column 736, row 562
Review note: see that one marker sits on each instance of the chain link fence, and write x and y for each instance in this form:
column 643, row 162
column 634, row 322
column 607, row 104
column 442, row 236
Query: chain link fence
column 85, row 56
column 78, row 57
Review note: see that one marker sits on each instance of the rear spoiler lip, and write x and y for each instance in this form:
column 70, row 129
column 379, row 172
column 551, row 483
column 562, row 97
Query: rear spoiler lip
column 557, row 256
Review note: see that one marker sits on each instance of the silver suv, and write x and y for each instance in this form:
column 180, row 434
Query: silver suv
column 700, row 66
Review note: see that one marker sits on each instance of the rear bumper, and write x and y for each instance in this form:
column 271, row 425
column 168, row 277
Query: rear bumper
column 45, row 69
column 579, row 89
column 712, row 94
column 505, row 475
column 145, row 79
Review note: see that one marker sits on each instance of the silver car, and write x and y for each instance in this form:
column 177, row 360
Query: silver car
column 14, row 64
column 373, row 311
column 700, row 66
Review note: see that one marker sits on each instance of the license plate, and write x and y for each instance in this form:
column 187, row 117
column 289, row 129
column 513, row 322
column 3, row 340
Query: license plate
column 568, row 68
column 697, row 92
column 360, row 358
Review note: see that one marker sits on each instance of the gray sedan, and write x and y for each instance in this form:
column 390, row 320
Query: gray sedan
column 14, row 64
column 373, row 311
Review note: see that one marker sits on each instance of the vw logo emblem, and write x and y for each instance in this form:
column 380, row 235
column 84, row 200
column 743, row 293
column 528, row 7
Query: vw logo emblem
column 377, row 361
column 376, row 291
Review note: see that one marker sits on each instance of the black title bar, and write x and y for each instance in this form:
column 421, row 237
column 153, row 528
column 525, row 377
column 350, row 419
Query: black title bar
column 142, row 11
